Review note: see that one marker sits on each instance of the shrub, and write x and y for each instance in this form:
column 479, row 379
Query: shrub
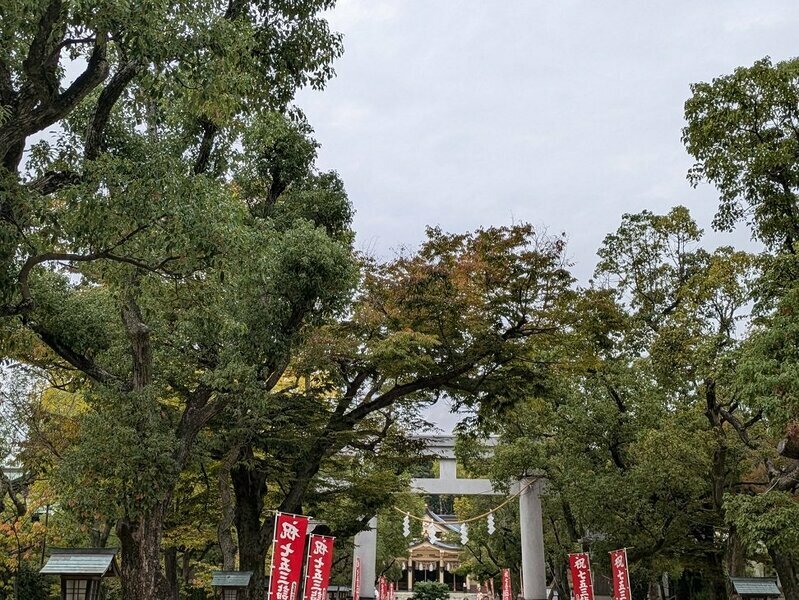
column 430, row 590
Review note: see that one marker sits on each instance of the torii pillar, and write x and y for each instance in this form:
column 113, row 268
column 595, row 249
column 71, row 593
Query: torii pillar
column 366, row 550
column 531, row 523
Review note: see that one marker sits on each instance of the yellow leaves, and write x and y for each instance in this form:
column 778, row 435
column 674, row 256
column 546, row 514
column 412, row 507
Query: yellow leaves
column 63, row 403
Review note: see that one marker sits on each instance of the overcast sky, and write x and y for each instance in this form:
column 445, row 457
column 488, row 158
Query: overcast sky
column 566, row 114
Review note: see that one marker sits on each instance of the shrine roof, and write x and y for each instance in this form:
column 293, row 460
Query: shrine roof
column 234, row 579
column 455, row 527
column 755, row 586
column 81, row 561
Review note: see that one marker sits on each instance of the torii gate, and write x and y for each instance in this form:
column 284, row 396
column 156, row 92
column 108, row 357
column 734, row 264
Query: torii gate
column 534, row 585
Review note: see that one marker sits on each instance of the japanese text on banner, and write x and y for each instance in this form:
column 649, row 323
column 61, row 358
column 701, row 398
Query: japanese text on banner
column 582, row 586
column 356, row 584
column 621, row 575
column 506, row 590
column 383, row 589
column 287, row 554
column 317, row 567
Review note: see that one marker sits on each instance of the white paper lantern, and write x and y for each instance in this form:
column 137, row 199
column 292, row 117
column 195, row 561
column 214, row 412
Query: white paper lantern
column 406, row 526
column 464, row 534
column 491, row 523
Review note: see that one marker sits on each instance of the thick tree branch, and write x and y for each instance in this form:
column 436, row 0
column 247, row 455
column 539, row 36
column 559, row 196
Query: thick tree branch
column 741, row 428
column 209, row 131
column 78, row 360
column 53, row 181
column 35, row 113
column 105, row 103
column 41, row 63
column 27, row 302
column 202, row 405
column 9, row 488
column 387, row 398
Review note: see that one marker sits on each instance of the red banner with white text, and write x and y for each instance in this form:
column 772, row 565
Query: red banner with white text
column 621, row 575
column 582, row 586
column 382, row 588
column 356, row 583
column 287, row 553
column 506, row 590
column 391, row 591
column 317, row 568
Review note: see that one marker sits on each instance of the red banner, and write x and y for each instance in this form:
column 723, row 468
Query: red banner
column 391, row 591
column 506, row 590
column 356, row 584
column 621, row 575
column 287, row 552
column 382, row 589
column 317, row 567
column 580, row 565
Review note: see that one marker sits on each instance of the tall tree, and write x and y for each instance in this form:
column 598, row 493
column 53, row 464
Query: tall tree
column 473, row 316
column 743, row 132
column 644, row 434
column 129, row 256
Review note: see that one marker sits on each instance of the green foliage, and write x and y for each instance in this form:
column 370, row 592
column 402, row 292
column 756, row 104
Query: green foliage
column 30, row 585
column 772, row 518
column 640, row 434
column 169, row 250
column 485, row 554
column 391, row 543
column 123, row 463
column 742, row 132
column 430, row 590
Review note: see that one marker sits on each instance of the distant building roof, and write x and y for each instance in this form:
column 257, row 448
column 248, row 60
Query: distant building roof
column 446, row 521
column 237, row 579
column 755, row 586
column 81, row 561
column 438, row 544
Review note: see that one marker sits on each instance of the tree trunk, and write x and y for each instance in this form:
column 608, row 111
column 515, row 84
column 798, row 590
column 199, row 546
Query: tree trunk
column 716, row 580
column 561, row 579
column 249, row 487
column 171, row 572
column 789, row 576
column 187, row 573
column 141, row 564
column 736, row 555
column 653, row 592
column 224, row 529
column 789, row 445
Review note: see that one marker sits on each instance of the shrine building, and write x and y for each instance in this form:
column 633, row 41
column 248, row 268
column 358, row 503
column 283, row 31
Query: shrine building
column 435, row 559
